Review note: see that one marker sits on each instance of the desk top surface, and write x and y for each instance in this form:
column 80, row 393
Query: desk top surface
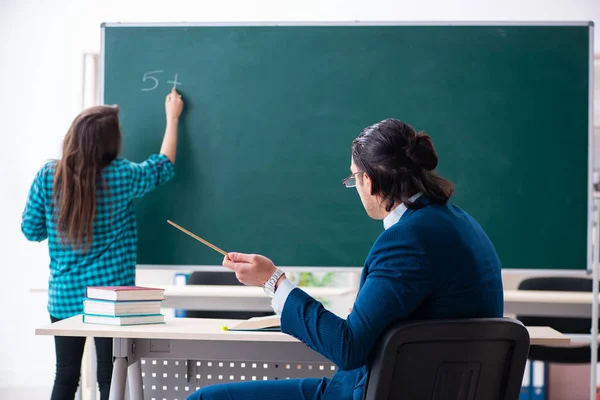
column 528, row 296
column 546, row 336
column 174, row 328
column 543, row 296
column 510, row 296
column 210, row 329
column 243, row 291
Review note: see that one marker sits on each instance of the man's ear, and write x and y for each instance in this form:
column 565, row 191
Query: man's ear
column 368, row 183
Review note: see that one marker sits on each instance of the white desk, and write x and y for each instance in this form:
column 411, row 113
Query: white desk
column 222, row 298
column 249, row 298
column 238, row 298
column 225, row 356
column 246, row 298
column 203, row 339
column 548, row 303
column 546, row 336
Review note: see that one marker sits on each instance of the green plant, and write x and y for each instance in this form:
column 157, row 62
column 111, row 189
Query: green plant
column 312, row 279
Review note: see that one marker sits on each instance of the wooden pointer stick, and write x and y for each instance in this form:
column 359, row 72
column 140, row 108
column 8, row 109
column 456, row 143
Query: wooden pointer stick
column 212, row 246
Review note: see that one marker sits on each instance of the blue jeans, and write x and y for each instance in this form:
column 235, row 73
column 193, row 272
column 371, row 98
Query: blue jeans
column 290, row 389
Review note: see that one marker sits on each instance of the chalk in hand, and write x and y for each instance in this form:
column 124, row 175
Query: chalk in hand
column 198, row 238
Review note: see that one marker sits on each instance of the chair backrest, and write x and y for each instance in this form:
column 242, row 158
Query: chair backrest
column 464, row 359
column 219, row 278
column 570, row 355
column 213, row 278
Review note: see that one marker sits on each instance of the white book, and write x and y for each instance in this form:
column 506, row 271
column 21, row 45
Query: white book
column 120, row 308
column 122, row 293
column 123, row 321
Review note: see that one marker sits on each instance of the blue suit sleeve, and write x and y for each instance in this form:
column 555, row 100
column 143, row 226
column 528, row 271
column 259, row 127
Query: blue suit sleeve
column 398, row 278
column 281, row 295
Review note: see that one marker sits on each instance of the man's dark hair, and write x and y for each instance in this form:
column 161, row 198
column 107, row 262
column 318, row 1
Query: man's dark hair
column 400, row 163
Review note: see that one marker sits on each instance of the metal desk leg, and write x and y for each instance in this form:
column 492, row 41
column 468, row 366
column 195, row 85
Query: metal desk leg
column 119, row 377
column 134, row 380
column 124, row 355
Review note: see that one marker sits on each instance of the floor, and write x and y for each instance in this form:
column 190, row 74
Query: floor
column 34, row 393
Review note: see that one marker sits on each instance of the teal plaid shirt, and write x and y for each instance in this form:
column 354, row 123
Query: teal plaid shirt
column 111, row 259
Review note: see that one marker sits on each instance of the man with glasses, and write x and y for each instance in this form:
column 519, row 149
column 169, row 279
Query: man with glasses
column 432, row 261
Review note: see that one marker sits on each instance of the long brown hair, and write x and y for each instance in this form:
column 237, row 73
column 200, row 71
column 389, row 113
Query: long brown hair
column 401, row 162
column 92, row 142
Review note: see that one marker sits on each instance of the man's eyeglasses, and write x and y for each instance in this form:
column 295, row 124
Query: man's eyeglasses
column 350, row 181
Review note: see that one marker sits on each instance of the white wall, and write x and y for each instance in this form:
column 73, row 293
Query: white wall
column 41, row 45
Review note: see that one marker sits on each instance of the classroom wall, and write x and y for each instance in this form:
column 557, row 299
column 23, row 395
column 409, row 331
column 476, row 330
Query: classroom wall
column 42, row 42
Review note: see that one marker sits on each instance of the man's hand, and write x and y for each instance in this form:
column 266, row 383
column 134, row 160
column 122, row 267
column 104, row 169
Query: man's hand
column 250, row 269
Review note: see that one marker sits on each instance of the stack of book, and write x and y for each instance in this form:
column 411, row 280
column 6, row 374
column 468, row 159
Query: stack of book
column 123, row 305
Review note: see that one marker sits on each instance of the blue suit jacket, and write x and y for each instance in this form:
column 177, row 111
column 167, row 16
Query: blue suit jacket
column 435, row 262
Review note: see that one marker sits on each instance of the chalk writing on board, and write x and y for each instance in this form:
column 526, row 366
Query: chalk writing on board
column 174, row 82
column 152, row 81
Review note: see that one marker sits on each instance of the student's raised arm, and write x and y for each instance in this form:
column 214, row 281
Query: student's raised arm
column 173, row 108
column 159, row 168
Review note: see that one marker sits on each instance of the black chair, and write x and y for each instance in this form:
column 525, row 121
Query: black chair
column 219, row 278
column 567, row 355
column 463, row 359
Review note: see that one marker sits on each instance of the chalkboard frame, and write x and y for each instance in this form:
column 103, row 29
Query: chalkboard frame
column 590, row 198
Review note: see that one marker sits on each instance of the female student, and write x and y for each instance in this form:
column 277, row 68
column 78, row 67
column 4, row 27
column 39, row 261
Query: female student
column 82, row 204
column 432, row 261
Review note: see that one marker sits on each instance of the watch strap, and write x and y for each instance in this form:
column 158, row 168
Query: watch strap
column 272, row 281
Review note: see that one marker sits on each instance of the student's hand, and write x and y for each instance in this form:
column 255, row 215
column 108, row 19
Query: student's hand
column 250, row 269
column 173, row 106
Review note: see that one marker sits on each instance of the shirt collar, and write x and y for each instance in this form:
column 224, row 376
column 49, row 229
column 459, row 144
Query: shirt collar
column 397, row 212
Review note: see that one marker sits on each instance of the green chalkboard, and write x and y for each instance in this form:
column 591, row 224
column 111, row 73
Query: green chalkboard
column 271, row 112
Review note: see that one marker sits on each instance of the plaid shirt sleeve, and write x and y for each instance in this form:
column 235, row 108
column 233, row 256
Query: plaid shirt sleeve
column 33, row 223
column 145, row 176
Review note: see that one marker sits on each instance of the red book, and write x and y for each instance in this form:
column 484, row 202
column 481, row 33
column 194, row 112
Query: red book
column 124, row 293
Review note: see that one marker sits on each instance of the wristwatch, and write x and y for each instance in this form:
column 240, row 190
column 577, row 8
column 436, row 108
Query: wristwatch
column 269, row 286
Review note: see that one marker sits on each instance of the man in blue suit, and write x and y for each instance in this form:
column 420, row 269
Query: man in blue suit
column 432, row 261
